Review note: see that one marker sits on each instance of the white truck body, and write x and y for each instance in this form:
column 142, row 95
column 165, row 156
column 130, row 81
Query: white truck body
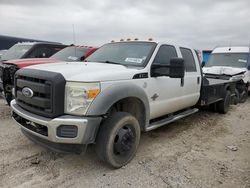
column 170, row 100
column 126, row 88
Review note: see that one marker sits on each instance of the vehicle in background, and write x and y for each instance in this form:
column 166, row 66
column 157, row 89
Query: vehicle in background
column 8, row 41
column 122, row 89
column 28, row 50
column 8, row 68
column 231, row 63
column 205, row 55
column 32, row 50
column 2, row 52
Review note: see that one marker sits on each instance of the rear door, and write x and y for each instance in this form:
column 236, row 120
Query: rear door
column 192, row 80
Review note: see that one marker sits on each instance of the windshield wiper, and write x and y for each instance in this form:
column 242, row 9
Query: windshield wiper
column 111, row 62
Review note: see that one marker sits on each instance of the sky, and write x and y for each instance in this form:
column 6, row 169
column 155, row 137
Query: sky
column 201, row 24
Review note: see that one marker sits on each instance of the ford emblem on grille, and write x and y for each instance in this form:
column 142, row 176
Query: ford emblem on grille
column 27, row 92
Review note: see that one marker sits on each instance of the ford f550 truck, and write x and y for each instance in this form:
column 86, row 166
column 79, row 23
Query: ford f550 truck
column 122, row 89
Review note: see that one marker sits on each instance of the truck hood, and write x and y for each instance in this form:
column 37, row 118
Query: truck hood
column 223, row 70
column 89, row 71
column 20, row 63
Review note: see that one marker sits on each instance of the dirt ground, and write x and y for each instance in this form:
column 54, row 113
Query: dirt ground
column 192, row 152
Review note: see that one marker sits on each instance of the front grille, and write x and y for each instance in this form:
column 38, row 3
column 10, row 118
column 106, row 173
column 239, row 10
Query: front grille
column 7, row 72
column 48, row 92
column 41, row 99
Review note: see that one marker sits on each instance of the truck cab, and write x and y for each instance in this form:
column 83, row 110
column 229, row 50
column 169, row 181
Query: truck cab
column 231, row 63
column 121, row 90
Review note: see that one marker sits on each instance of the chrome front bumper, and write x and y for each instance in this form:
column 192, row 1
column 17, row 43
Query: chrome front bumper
column 86, row 126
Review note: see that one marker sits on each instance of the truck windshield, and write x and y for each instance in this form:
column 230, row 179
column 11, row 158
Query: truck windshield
column 70, row 54
column 124, row 53
column 238, row 60
column 16, row 52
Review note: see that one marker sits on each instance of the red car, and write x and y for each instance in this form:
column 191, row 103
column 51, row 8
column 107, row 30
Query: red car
column 8, row 68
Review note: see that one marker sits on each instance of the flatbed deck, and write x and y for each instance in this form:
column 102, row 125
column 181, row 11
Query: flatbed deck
column 213, row 90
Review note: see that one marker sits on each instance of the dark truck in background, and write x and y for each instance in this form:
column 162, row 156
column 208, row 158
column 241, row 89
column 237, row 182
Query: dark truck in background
column 8, row 68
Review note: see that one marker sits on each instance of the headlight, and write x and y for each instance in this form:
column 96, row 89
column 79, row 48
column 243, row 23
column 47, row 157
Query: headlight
column 78, row 97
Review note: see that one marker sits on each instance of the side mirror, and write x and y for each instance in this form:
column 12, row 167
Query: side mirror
column 203, row 63
column 177, row 68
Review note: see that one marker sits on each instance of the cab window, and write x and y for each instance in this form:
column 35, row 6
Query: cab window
column 165, row 54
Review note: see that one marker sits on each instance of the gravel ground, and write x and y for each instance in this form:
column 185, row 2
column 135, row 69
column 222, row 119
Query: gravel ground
column 197, row 151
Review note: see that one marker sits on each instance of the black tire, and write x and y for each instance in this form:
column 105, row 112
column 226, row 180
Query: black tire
column 223, row 105
column 118, row 139
column 243, row 96
column 213, row 107
column 236, row 97
column 8, row 98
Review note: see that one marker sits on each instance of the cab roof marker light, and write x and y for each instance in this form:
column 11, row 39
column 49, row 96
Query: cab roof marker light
column 150, row 39
column 121, row 40
column 128, row 39
column 136, row 39
column 112, row 41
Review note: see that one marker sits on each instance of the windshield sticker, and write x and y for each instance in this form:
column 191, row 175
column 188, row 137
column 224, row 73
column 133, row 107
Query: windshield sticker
column 133, row 60
column 72, row 58
column 242, row 60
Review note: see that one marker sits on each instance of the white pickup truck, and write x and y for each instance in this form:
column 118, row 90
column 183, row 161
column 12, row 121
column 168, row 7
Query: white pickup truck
column 122, row 89
column 231, row 63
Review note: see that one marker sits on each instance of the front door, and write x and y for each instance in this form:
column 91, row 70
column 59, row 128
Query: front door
column 165, row 93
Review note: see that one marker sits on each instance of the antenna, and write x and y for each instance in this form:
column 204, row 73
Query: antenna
column 74, row 37
column 230, row 45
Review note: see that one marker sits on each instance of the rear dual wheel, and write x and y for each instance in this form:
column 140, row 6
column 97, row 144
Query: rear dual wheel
column 243, row 96
column 223, row 105
column 118, row 139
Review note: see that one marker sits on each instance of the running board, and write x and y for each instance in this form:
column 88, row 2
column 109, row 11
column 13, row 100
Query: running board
column 171, row 119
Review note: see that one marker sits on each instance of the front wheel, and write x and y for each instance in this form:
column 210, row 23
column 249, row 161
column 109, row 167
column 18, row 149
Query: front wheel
column 8, row 97
column 118, row 139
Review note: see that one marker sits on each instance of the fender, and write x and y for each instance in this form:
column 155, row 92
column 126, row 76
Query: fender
column 113, row 94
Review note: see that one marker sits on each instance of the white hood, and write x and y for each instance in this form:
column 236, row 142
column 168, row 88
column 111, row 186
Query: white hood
column 89, row 71
column 220, row 70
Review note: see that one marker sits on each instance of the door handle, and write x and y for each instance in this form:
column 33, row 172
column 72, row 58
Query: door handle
column 182, row 82
column 198, row 80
